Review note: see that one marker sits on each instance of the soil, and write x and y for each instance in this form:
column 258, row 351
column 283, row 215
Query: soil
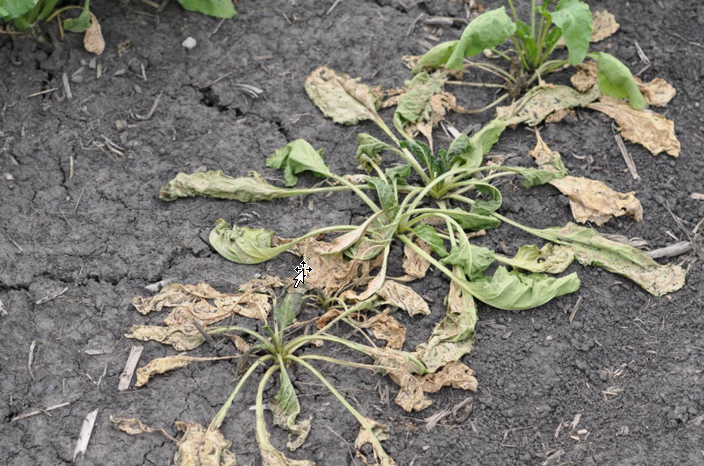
column 76, row 216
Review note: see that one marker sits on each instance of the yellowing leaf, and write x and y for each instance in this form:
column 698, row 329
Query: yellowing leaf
column 166, row 364
column 604, row 25
column 657, row 92
column 93, row 41
column 183, row 337
column 453, row 374
column 551, row 258
column 133, row 426
column 202, row 447
column 413, row 264
column 651, row 130
column 373, row 435
column 540, row 102
column 403, row 297
column 386, row 328
column 590, row 200
column 341, row 98
column 285, row 409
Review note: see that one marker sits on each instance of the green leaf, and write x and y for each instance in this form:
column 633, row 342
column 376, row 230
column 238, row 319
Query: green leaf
column 388, row 200
column 574, row 18
column 47, row 9
column 593, row 249
column 487, row 206
column 216, row 184
column 399, row 174
column 369, row 148
column 551, row 40
column 616, row 80
column 514, row 291
column 414, row 105
column 436, row 57
column 474, row 260
column 481, row 143
column 217, row 8
column 537, row 176
column 285, row 409
column 81, row 23
column 342, row 98
column 287, row 308
column 486, row 31
column 297, row 157
column 431, row 238
column 471, row 221
column 424, row 155
column 461, row 150
column 527, row 40
column 244, row 245
column 11, row 9
column 548, row 259
column 377, row 237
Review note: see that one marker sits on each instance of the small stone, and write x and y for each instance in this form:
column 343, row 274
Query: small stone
column 9, row 177
column 548, row 338
column 426, row 447
column 189, row 43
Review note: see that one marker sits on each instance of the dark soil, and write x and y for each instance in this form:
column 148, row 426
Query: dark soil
column 631, row 365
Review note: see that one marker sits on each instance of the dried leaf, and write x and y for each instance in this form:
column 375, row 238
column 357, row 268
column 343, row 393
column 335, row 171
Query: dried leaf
column 183, row 337
column 270, row 455
column 342, row 98
column 551, row 258
column 453, row 374
column 240, row 343
column 327, row 318
column 386, row 328
column 657, row 92
column 93, row 41
column 413, row 264
column 651, row 130
column 586, row 76
column 166, row 364
column 285, row 409
column 540, row 102
column 604, row 25
column 373, row 436
column 202, row 447
column 403, row 297
column 590, row 200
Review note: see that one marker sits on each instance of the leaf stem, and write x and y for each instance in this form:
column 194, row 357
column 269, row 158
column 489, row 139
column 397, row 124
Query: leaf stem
column 357, row 191
column 464, row 83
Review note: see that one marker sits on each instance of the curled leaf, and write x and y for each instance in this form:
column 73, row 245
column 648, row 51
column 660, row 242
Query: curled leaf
column 548, row 259
column 244, row 245
column 285, row 409
column 216, row 184
column 615, row 80
column 574, row 19
column 657, row 92
column 403, row 297
column 454, row 374
column 435, row 57
column 298, row 157
column 373, row 434
column 93, row 40
column 474, row 260
column 182, row 337
column 487, row 30
column 342, row 98
column 133, row 426
column 593, row 249
column 386, row 328
column 166, row 364
column 651, row 130
column 202, row 447
column 540, row 102
column 369, row 149
column 414, row 265
column 604, row 25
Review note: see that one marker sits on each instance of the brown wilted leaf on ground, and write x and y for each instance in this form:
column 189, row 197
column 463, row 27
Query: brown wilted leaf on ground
column 182, row 337
column 590, row 200
column 166, row 364
column 453, row 374
column 414, row 265
column 378, row 433
column 93, row 40
column 403, row 297
column 202, row 447
column 604, row 25
column 651, row 130
column 133, row 426
column 540, row 102
column 386, row 328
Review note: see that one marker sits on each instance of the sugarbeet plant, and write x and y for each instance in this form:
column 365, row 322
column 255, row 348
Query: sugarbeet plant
column 433, row 203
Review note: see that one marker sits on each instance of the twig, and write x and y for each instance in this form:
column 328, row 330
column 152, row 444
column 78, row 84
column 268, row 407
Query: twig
column 41, row 92
column 413, row 24
column 3, row 312
column 34, row 412
column 217, row 28
column 630, row 163
column 22, row 250
column 67, row 87
column 643, row 57
column 202, row 331
column 51, row 296
column 156, row 287
column 30, row 360
column 130, row 367
column 84, row 436
column 151, row 112
column 671, row 251
column 75, row 209
column 332, row 7
column 105, row 371
column 215, row 81
column 575, row 309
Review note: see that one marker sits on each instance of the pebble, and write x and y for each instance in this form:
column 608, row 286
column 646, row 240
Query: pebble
column 189, row 43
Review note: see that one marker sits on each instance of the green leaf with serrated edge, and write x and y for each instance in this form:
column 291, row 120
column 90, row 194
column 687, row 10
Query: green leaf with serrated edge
column 474, row 260
column 377, row 237
column 616, row 80
column 81, row 23
column 287, row 308
column 297, row 157
column 216, row 184
column 386, row 195
column 487, row 206
column 548, row 259
column 574, row 18
column 414, row 104
column 400, row 174
column 430, row 237
column 527, row 40
column 217, row 8
column 371, row 148
column 514, row 291
column 593, row 249
column 424, row 155
column 553, row 36
column 540, row 102
column 453, row 336
column 486, row 31
column 461, row 150
column 436, row 57
column 244, row 245
column 285, row 409
column 11, row 9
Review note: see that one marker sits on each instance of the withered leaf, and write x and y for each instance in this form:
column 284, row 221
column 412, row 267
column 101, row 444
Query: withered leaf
column 373, row 436
column 327, row 318
column 540, row 102
column 202, row 447
column 403, row 297
column 651, row 130
column 93, row 40
column 285, row 409
column 270, row 455
column 166, row 364
column 590, row 200
column 414, row 265
column 343, row 99
column 386, row 328
column 183, row 337
column 586, row 76
column 604, row 25
column 453, row 374
column 133, row 426
column 551, row 258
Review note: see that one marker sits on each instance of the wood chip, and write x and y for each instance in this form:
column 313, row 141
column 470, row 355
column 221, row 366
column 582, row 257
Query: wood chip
column 626, row 156
column 84, row 437
column 34, row 412
column 671, row 251
column 130, row 366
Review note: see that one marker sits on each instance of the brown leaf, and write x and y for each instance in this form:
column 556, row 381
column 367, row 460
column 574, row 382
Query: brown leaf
column 166, row 364
column 373, row 436
column 414, row 265
column 541, row 101
column 586, row 76
column 453, row 374
column 261, row 284
column 387, row 328
column 240, row 343
column 403, row 297
column 657, row 92
column 133, row 426
column 183, row 337
column 326, row 318
column 590, row 200
column 604, row 25
column 93, row 40
column 651, row 130
column 202, row 447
